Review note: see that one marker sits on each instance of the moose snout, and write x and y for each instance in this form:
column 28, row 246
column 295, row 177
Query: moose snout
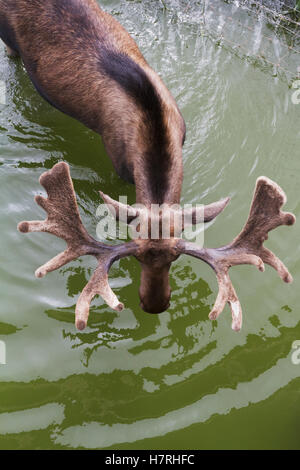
column 155, row 291
column 155, row 306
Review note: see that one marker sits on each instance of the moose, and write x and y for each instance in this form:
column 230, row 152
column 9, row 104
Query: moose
column 83, row 62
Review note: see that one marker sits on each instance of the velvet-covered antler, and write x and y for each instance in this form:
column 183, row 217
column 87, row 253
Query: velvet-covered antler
column 247, row 248
column 64, row 222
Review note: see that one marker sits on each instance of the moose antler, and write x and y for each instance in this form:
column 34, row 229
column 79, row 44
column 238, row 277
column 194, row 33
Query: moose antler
column 64, row 222
column 247, row 248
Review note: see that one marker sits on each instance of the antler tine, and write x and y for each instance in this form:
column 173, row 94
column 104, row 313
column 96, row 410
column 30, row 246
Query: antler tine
column 98, row 284
column 205, row 214
column 64, row 222
column 227, row 294
column 247, row 248
column 120, row 211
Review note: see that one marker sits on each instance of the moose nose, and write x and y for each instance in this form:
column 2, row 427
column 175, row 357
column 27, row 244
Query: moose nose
column 155, row 291
column 155, row 308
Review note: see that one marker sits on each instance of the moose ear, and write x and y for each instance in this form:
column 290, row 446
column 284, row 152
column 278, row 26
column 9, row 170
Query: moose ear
column 122, row 212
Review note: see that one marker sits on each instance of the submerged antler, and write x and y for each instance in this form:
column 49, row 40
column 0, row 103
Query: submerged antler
column 247, row 248
column 64, row 222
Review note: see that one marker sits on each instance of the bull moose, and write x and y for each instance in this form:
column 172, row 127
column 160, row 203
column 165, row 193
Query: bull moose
column 83, row 62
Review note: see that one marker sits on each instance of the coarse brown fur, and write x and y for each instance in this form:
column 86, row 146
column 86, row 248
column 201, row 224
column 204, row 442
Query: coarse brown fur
column 62, row 44
column 83, row 62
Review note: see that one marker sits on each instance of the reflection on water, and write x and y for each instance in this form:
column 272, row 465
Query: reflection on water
column 32, row 419
column 132, row 379
column 96, row 435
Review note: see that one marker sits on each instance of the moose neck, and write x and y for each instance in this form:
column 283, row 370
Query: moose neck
column 146, row 126
column 158, row 179
column 158, row 172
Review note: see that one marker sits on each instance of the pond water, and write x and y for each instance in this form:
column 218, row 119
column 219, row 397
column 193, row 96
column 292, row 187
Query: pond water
column 176, row 380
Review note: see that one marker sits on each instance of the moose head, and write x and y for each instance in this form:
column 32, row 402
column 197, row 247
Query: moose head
column 156, row 230
column 156, row 254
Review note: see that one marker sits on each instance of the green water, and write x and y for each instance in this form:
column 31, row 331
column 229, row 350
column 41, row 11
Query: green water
column 134, row 380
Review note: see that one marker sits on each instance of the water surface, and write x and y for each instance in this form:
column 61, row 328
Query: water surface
column 176, row 380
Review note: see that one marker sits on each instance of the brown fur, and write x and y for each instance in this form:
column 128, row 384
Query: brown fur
column 60, row 42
